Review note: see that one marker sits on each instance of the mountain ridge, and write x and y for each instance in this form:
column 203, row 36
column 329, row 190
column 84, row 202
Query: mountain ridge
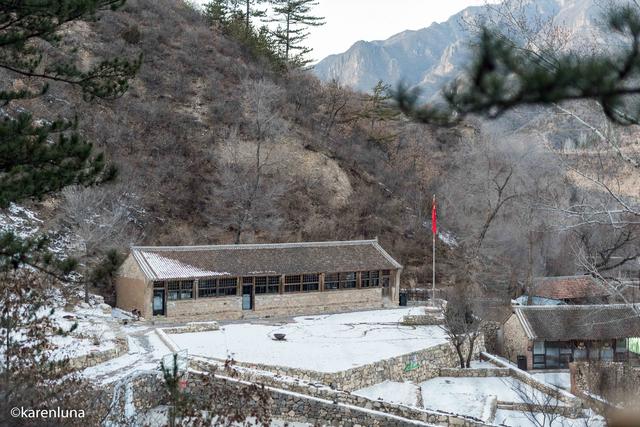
column 430, row 57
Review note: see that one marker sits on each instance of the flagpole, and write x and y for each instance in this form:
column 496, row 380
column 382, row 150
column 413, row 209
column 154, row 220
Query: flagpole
column 433, row 258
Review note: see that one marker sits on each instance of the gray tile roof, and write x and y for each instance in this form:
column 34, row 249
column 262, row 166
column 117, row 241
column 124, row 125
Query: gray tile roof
column 580, row 322
column 174, row 262
column 569, row 287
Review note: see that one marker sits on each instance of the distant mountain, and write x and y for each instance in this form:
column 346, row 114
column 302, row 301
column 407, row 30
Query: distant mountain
column 431, row 57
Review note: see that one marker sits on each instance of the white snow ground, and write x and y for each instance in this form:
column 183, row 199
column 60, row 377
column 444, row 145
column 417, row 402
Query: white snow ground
column 520, row 419
column 327, row 343
column 405, row 393
column 558, row 379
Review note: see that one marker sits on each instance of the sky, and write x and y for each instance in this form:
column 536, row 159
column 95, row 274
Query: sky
column 348, row 21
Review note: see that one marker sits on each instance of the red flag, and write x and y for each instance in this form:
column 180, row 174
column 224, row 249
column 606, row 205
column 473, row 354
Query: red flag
column 434, row 217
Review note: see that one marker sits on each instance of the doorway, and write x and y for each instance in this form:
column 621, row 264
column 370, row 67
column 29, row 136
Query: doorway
column 247, row 297
column 158, row 302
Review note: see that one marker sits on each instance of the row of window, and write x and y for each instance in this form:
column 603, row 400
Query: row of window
column 183, row 289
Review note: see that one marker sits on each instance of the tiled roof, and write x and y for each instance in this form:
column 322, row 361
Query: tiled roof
column 174, row 262
column 580, row 322
column 568, row 287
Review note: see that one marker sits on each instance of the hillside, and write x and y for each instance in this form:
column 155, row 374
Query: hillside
column 184, row 139
column 433, row 56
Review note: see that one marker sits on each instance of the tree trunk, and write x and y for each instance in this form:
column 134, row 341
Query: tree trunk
column 472, row 340
column 458, row 347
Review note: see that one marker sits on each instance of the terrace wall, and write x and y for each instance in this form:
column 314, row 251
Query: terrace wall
column 325, row 407
column 426, row 365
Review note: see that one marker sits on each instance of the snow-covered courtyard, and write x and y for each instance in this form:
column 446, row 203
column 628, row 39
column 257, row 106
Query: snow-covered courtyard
column 326, row 343
column 469, row 396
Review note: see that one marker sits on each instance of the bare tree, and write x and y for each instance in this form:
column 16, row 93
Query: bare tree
column 250, row 184
column 542, row 409
column 461, row 324
column 98, row 218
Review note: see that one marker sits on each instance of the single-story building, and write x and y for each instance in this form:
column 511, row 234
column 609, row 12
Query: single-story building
column 231, row 281
column 551, row 337
column 568, row 290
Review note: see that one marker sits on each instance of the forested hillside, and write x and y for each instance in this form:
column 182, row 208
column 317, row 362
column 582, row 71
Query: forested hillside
column 213, row 145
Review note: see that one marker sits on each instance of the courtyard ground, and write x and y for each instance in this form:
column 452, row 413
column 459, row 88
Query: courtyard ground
column 326, row 343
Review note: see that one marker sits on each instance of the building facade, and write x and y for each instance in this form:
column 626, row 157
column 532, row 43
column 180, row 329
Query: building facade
column 551, row 337
column 233, row 281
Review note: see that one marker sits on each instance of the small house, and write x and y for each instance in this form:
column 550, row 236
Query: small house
column 233, row 281
column 551, row 337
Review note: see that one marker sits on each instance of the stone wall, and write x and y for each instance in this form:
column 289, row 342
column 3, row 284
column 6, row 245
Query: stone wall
column 529, row 379
column 492, row 336
column 429, row 362
column 95, row 358
column 193, row 327
column 220, row 308
column 515, row 341
column 272, row 305
column 475, row 372
column 132, row 291
column 613, row 381
column 276, row 305
column 326, row 408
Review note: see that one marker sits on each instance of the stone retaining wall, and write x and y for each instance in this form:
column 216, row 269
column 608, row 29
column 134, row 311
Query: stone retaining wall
column 96, row 358
column 613, row 381
column 429, row 362
column 422, row 320
column 192, row 327
column 329, row 408
column 475, row 372
column 525, row 377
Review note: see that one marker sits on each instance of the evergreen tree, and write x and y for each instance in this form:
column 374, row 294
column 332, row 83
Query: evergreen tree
column 503, row 76
column 36, row 158
column 294, row 18
column 379, row 109
column 231, row 17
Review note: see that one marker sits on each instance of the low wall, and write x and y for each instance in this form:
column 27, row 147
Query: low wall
column 422, row 320
column 525, row 377
column 145, row 392
column 615, row 382
column 96, row 358
column 347, row 398
column 418, row 366
column 193, row 327
column 475, row 372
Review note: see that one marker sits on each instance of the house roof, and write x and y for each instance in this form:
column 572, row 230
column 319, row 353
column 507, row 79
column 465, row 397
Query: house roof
column 580, row 322
column 568, row 287
column 175, row 262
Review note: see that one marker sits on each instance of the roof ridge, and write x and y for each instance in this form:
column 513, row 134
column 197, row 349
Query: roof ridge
column 574, row 307
column 255, row 245
column 564, row 277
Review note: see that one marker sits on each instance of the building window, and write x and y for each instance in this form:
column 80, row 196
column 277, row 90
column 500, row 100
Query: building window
column 228, row 286
column 331, row 281
column 158, row 285
column 180, row 289
column 370, row 279
column 186, row 289
column 347, row 280
column 310, row 282
column 268, row 285
column 174, row 290
column 292, row 283
column 207, row 288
